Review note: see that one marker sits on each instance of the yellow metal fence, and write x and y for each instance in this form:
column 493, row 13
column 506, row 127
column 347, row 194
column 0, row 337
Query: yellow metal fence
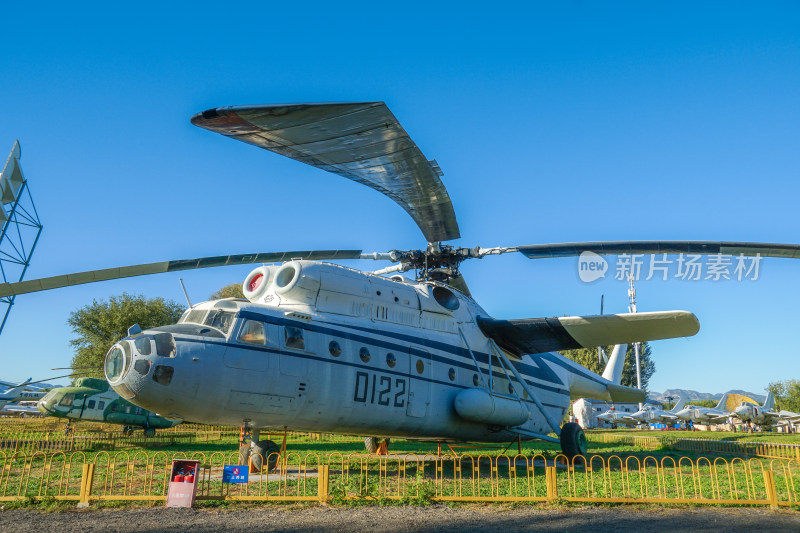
column 132, row 476
column 716, row 446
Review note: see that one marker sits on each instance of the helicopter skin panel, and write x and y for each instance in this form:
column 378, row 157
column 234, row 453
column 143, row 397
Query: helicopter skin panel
column 362, row 141
column 572, row 249
column 539, row 335
column 79, row 278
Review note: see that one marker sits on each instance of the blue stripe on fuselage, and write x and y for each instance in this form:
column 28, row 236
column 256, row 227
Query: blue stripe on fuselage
column 541, row 372
column 323, row 359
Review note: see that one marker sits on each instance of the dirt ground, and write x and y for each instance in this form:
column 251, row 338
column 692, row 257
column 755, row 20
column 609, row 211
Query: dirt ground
column 375, row 519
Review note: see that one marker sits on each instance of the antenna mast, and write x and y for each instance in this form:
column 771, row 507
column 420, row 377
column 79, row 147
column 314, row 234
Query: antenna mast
column 185, row 293
column 636, row 345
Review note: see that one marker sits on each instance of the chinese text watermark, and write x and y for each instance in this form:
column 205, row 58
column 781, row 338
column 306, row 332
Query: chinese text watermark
column 691, row 267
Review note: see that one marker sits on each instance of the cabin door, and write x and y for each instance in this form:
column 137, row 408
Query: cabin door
column 419, row 383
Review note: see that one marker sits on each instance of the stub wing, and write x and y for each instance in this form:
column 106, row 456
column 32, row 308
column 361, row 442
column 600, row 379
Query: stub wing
column 540, row 335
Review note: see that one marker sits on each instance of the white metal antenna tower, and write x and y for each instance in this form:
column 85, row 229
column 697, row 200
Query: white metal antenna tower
column 636, row 345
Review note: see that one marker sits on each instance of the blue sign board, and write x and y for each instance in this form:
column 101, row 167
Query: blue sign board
column 235, row 473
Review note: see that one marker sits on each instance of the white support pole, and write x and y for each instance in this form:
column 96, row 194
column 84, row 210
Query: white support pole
column 632, row 309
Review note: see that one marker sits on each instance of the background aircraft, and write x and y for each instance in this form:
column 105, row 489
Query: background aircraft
column 18, row 393
column 92, row 399
column 612, row 416
column 764, row 415
column 650, row 414
column 706, row 415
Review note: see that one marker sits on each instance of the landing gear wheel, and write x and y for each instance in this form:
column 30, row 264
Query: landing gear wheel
column 149, row 432
column 244, row 453
column 373, row 444
column 127, row 431
column 264, row 450
column 573, row 440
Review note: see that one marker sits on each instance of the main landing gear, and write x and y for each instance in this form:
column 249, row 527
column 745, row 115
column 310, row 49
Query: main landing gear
column 255, row 452
column 377, row 445
column 573, row 440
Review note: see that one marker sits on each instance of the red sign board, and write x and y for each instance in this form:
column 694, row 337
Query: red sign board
column 183, row 483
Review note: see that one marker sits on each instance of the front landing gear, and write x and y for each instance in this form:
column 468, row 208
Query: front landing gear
column 256, row 452
column 573, row 440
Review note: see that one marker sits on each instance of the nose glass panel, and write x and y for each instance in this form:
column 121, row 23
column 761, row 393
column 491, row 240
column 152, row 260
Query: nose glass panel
column 116, row 361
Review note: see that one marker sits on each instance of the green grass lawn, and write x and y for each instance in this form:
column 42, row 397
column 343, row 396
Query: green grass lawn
column 621, row 464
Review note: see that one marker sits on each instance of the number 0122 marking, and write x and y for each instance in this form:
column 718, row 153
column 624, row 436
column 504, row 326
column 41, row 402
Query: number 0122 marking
column 380, row 390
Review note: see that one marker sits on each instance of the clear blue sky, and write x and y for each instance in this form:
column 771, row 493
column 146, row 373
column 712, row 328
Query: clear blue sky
column 587, row 121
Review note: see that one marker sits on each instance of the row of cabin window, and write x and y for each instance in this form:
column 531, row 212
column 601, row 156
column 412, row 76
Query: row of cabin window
column 68, row 399
column 254, row 332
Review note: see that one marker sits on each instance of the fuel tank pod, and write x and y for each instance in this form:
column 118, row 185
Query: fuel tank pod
column 478, row 405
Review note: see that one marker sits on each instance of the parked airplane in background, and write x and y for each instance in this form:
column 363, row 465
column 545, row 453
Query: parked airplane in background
column 92, row 399
column 764, row 415
column 18, row 393
column 707, row 416
column 23, row 409
column 650, row 414
column 614, row 417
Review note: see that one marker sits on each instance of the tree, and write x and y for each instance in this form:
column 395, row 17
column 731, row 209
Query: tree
column 99, row 325
column 588, row 357
column 234, row 290
column 708, row 402
column 787, row 394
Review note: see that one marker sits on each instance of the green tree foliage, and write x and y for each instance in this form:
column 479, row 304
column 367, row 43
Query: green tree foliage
column 703, row 403
column 234, row 290
column 99, row 325
column 588, row 357
column 787, row 394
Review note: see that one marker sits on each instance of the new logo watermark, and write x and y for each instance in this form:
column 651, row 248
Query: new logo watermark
column 691, row 267
column 591, row 267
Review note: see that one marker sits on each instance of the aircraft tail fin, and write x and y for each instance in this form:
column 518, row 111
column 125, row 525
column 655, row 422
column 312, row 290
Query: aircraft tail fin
column 678, row 406
column 769, row 402
column 16, row 389
column 722, row 404
column 613, row 370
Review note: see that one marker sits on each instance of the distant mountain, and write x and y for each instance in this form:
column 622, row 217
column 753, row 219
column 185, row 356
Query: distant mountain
column 692, row 395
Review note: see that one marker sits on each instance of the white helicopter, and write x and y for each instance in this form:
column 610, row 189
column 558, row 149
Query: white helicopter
column 321, row 347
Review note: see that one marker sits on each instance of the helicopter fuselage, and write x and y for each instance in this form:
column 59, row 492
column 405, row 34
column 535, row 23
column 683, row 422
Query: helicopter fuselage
column 324, row 348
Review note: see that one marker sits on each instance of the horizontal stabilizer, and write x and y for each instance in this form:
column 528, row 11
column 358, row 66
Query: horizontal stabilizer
column 622, row 394
column 540, row 335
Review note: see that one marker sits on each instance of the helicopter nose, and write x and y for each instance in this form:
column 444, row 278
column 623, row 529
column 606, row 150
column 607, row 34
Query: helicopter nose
column 153, row 370
column 117, row 362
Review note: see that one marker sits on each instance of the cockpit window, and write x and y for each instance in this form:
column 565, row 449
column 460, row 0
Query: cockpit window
column 222, row 320
column 165, row 345
column 194, row 316
column 253, row 332
column 293, row 338
column 67, row 400
column 191, row 329
column 143, row 344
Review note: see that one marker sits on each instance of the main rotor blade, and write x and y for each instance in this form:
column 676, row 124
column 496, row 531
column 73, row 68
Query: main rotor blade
column 571, row 249
column 361, row 141
column 79, row 278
